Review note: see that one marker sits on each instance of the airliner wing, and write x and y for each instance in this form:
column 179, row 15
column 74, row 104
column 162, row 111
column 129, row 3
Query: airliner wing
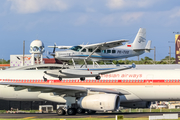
column 107, row 45
column 62, row 89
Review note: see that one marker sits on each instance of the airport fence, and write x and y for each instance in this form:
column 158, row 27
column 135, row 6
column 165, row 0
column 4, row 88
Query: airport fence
column 149, row 110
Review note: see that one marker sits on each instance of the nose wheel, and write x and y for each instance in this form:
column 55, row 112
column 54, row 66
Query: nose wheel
column 60, row 111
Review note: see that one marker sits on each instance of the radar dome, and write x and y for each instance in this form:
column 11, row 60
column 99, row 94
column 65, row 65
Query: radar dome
column 37, row 47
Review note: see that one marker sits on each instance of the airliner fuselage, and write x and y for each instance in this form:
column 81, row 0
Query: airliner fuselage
column 142, row 85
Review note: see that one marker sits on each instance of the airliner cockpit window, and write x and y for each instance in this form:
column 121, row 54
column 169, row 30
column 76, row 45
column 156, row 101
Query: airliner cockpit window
column 76, row 48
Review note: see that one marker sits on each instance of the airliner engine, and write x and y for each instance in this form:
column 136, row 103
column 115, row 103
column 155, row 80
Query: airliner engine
column 100, row 102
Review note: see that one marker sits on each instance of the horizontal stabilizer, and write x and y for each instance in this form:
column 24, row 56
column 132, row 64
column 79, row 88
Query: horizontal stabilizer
column 148, row 46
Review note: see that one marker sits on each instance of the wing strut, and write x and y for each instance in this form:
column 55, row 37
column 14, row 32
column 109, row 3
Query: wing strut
column 89, row 57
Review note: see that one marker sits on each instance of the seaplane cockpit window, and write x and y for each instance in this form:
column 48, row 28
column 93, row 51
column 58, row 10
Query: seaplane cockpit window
column 76, row 48
column 113, row 51
column 103, row 51
column 108, row 51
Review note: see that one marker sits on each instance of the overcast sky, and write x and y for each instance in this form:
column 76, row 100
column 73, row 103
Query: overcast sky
column 73, row 22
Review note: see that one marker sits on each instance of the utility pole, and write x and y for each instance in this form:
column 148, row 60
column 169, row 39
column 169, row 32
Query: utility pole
column 154, row 55
column 23, row 51
column 169, row 54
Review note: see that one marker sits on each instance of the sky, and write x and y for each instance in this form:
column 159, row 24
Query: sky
column 73, row 22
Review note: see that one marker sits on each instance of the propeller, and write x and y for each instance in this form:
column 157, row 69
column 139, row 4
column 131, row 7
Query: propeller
column 54, row 50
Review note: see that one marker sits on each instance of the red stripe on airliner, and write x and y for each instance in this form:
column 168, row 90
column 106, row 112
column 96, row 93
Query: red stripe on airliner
column 98, row 82
column 128, row 45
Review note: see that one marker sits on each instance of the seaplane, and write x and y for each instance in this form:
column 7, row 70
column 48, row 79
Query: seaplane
column 112, row 50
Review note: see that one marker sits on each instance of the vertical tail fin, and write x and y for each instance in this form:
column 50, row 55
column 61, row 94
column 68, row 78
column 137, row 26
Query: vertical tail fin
column 140, row 39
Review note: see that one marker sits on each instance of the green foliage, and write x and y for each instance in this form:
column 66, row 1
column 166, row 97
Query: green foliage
column 2, row 111
column 2, row 61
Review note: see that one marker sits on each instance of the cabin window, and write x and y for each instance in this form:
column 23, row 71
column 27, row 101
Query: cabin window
column 98, row 50
column 103, row 51
column 165, row 80
column 122, row 80
column 113, row 51
column 116, row 80
column 90, row 50
column 84, row 50
column 108, row 51
column 173, row 80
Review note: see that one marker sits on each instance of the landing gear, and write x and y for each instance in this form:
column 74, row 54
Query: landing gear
column 98, row 77
column 60, row 111
column 80, row 110
column 71, row 111
column 91, row 111
column 82, row 78
column 60, row 78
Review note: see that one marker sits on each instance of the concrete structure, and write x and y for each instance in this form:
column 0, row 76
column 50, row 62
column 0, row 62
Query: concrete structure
column 37, row 50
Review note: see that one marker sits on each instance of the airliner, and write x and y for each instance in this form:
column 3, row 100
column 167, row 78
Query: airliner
column 112, row 50
column 134, row 88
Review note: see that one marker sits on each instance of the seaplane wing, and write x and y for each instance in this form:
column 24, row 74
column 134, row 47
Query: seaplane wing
column 60, row 47
column 107, row 45
column 62, row 89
